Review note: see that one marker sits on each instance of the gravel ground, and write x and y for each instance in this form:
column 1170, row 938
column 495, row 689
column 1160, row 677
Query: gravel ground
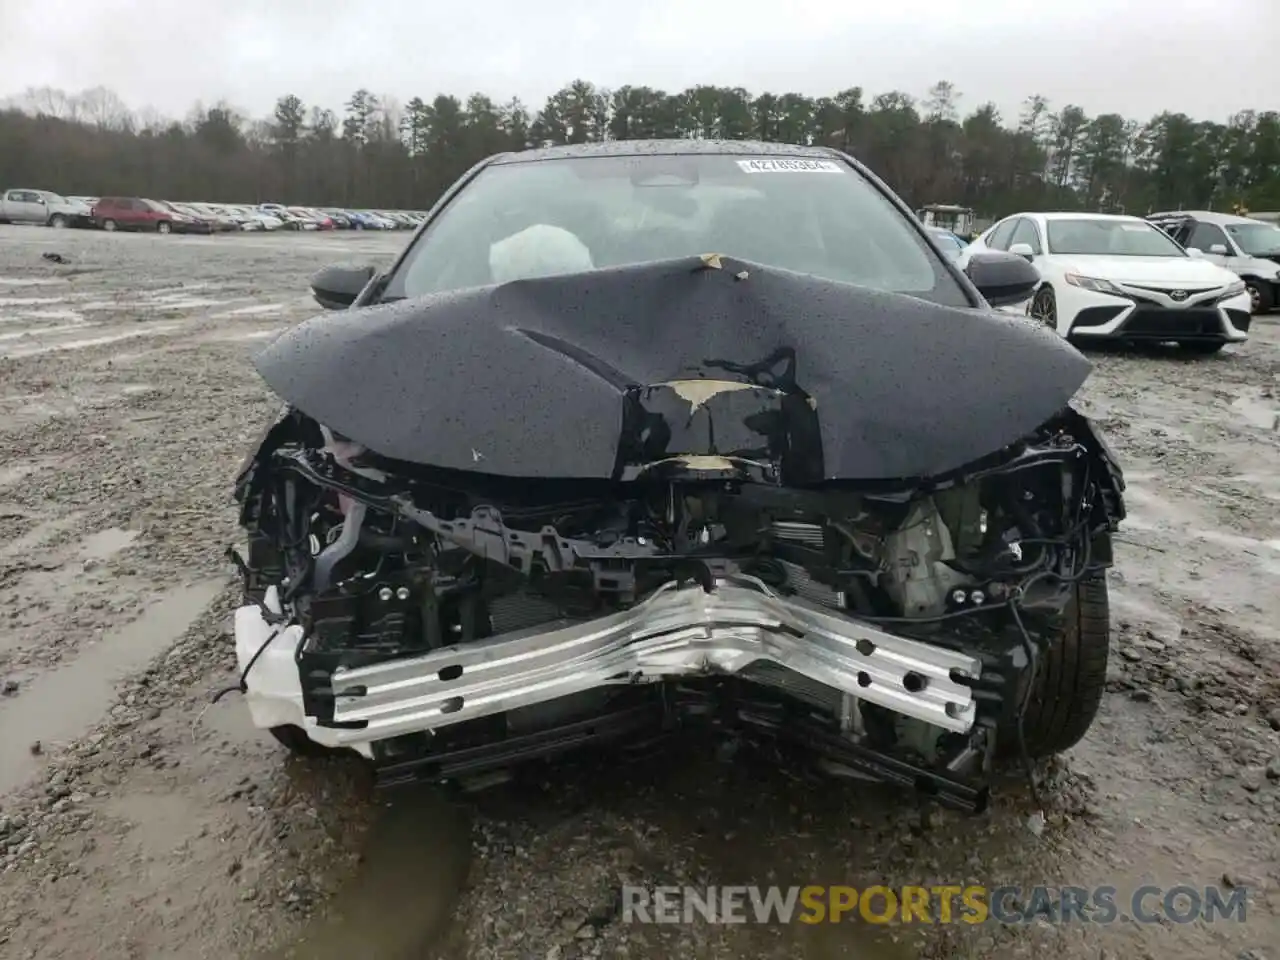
column 138, row 821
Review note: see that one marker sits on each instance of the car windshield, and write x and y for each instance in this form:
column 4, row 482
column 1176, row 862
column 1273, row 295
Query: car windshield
column 158, row 205
column 53, row 198
column 951, row 245
column 565, row 215
column 1256, row 239
column 1110, row 238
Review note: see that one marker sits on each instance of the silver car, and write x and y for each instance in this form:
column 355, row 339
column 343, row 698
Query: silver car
column 42, row 207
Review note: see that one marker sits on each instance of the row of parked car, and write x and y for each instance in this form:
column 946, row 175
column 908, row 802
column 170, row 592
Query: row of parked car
column 165, row 216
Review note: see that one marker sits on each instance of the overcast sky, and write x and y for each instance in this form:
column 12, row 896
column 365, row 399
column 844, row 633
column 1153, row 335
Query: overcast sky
column 1208, row 58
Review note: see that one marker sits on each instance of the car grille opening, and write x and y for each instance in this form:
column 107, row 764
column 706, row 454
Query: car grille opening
column 1240, row 319
column 1157, row 323
column 1096, row 316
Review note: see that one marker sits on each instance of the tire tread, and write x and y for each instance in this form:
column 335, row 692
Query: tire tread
column 1073, row 673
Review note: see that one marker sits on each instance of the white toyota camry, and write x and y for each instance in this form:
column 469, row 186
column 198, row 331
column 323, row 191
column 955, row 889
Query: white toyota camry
column 1120, row 278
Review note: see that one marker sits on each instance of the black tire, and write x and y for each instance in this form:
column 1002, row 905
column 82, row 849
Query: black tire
column 298, row 743
column 1261, row 295
column 164, row 227
column 1044, row 308
column 1071, row 677
column 109, row 225
column 58, row 221
column 1203, row 348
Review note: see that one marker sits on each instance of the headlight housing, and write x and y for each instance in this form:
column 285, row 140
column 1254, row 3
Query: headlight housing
column 1095, row 284
column 1235, row 289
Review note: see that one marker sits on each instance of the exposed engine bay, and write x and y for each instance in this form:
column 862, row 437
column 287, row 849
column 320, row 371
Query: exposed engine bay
column 448, row 624
column 507, row 522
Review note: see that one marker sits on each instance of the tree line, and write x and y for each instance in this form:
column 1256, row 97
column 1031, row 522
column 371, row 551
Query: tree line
column 378, row 152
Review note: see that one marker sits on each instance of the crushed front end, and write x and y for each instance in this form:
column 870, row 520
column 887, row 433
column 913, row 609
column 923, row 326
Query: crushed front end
column 448, row 624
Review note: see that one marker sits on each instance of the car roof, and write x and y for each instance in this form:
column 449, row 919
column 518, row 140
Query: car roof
column 1079, row 215
column 1206, row 216
column 640, row 148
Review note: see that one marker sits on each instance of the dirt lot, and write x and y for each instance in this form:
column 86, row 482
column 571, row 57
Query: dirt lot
column 138, row 821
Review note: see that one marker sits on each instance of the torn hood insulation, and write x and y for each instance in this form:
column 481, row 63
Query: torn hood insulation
column 608, row 373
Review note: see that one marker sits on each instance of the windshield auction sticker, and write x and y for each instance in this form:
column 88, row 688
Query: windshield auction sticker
column 788, row 165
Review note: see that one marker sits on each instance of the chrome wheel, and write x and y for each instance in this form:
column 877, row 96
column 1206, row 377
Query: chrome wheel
column 1255, row 298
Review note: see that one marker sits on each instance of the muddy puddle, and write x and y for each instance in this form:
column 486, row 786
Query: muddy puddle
column 243, row 336
column 398, row 905
column 59, row 705
column 20, row 349
column 56, row 584
column 38, row 534
column 1258, row 412
column 10, row 303
column 255, row 310
column 661, row 823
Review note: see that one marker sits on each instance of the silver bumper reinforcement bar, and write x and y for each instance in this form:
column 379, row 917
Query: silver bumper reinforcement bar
column 676, row 631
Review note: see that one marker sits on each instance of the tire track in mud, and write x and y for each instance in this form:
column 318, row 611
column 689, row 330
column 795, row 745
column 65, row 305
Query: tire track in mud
column 171, row 829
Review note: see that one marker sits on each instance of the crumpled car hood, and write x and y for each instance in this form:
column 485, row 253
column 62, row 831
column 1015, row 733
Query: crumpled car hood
column 589, row 375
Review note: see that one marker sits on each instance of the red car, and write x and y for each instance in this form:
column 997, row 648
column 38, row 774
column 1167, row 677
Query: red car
column 136, row 213
column 321, row 220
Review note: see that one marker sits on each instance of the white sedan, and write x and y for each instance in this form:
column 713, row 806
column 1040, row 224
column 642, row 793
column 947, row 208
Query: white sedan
column 1120, row 278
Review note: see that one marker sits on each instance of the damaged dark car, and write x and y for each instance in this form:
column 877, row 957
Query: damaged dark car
column 641, row 436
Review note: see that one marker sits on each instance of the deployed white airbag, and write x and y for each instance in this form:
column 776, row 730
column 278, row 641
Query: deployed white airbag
column 538, row 251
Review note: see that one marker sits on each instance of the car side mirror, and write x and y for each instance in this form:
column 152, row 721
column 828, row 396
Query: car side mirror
column 1195, row 253
column 1219, row 248
column 1002, row 278
column 336, row 287
column 1022, row 250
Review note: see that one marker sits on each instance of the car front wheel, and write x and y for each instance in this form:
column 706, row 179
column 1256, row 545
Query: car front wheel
column 1261, row 298
column 164, row 226
column 1070, row 676
column 1044, row 308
